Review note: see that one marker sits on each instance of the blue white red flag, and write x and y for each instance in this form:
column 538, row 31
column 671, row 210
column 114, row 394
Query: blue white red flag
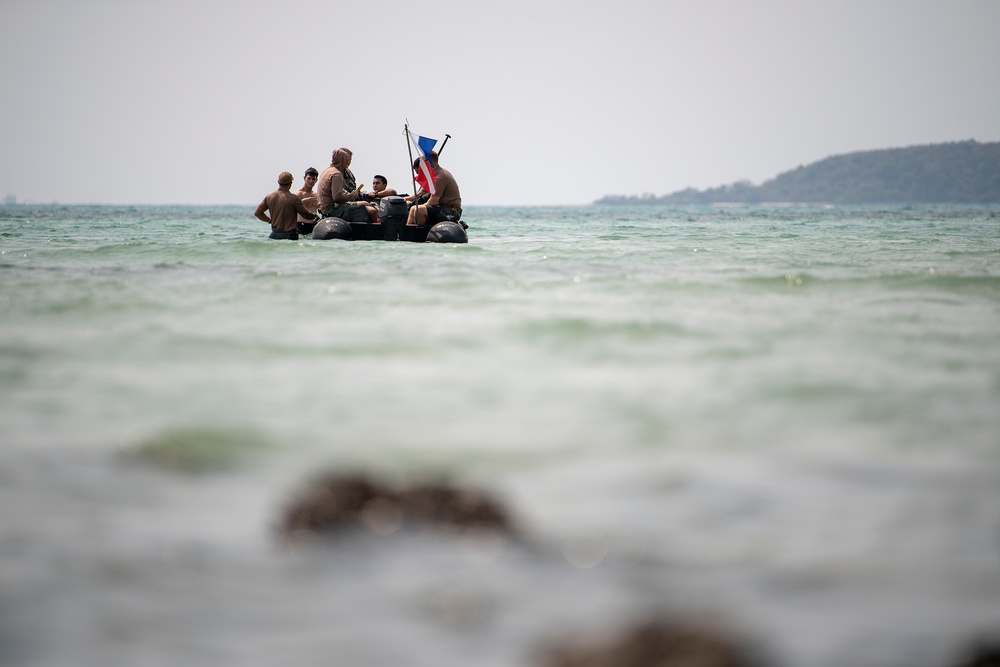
column 425, row 174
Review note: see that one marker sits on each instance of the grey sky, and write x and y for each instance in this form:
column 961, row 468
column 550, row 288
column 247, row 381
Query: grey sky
column 547, row 102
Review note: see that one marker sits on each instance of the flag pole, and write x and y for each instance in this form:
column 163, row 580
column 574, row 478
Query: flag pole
column 409, row 150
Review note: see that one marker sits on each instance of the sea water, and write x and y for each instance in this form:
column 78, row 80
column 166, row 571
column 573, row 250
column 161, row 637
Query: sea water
column 782, row 419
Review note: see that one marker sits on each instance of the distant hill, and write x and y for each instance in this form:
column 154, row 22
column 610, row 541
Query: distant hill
column 961, row 172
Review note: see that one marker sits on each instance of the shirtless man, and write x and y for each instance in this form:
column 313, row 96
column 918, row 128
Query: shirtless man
column 335, row 200
column 284, row 207
column 444, row 204
column 309, row 199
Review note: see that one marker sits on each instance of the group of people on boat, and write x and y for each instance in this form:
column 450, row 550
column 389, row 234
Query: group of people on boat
column 338, row 195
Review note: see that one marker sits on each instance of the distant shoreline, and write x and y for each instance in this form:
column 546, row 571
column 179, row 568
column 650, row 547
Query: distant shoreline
column 966, row 172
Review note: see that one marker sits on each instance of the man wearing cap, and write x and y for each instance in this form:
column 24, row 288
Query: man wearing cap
column 285, row 208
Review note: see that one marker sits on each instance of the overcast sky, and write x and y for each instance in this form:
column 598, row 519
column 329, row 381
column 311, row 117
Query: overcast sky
column 546, row 101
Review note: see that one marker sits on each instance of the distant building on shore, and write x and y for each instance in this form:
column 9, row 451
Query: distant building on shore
column 9, row 199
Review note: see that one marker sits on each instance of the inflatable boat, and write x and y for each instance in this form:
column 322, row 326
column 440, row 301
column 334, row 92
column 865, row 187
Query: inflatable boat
column 392, row 213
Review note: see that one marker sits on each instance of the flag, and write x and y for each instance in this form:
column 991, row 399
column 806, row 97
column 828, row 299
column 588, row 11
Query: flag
column 426, row 145
column 426, row 176
column 425, row 173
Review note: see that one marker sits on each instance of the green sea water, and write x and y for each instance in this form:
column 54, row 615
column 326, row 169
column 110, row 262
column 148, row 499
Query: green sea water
column 786, row 417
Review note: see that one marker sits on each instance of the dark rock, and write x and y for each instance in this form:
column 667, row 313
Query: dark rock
column 458, row 507
column 654, row 643
column 330, row 503
column 983, row 654
column 334, row 503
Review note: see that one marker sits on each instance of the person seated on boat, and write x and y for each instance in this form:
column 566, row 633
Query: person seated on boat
column 284, row 207
column 420, row 196
column 444, row 204
column 309, row 199
column 339, row 193
column 379, row 188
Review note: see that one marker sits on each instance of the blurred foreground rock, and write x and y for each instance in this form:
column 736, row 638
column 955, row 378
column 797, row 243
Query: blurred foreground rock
column 334, row 503
column 654, row 643
column 983, row 654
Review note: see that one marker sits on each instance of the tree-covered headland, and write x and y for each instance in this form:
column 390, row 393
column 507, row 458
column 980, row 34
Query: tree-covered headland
column 960, row 172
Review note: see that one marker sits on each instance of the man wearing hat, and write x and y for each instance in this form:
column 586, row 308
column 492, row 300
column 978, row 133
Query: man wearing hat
column 285, row 208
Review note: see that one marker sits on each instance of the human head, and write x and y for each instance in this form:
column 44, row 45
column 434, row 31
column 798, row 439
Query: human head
column 285, row 178
column 433, row 160
column 310, row 177
column 379, row 183
column 341, row 158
